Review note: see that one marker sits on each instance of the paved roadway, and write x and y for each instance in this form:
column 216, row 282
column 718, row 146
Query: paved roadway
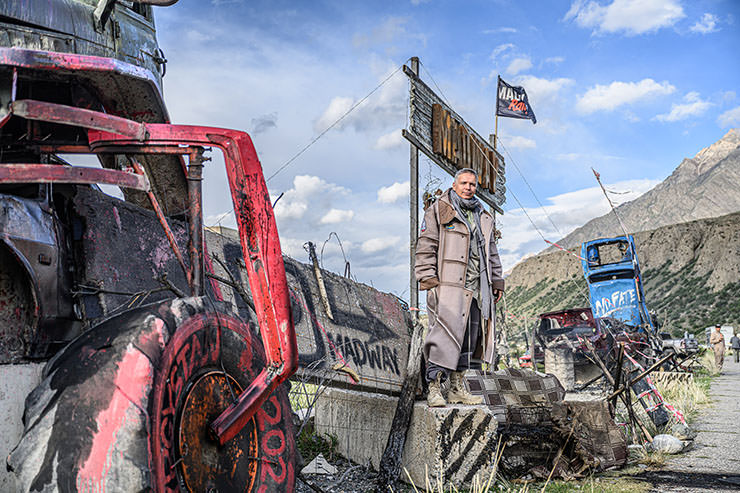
column 713, row 465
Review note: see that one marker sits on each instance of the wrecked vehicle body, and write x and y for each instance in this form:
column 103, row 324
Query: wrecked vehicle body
column 136, row 375
column 612, row 273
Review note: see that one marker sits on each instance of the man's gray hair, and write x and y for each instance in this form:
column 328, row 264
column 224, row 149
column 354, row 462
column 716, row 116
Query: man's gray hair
column 466, row 170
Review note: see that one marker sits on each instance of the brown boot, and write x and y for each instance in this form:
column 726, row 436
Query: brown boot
column 435, row 397
column 458, row 393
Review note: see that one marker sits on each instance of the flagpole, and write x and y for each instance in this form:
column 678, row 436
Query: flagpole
column 495, row 131
column 495, row 111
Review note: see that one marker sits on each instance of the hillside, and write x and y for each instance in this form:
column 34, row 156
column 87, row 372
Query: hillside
column 697, row 189
column 691, row 276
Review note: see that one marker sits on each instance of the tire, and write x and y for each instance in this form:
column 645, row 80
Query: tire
column 125, row 407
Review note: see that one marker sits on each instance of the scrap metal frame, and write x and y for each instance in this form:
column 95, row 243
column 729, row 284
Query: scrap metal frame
column 254, row 215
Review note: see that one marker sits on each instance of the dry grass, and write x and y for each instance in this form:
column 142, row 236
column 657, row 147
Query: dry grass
column 654, row 460
column 687, row 397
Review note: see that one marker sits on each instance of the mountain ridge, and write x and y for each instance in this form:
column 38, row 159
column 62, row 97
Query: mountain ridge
column 694, row 190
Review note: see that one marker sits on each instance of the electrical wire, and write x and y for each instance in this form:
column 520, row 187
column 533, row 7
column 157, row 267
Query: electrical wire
column 336, row 122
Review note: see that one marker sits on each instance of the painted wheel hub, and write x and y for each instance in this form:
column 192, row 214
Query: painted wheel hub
column 204, row 465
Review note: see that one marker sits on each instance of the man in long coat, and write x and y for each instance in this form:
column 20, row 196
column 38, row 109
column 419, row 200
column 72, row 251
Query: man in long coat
column 458, row 263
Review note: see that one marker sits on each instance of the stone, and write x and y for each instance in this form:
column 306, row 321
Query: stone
column 683, row 431
column 667, row 444
column 319, row 465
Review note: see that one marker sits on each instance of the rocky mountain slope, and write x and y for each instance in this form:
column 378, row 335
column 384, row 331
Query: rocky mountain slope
column 691, row 275
column 707, row 185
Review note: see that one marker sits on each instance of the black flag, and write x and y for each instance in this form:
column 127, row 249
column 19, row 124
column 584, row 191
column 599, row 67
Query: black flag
column 512, row 101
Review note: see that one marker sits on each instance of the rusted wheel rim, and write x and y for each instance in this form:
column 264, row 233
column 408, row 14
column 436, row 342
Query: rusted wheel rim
column 204, row 466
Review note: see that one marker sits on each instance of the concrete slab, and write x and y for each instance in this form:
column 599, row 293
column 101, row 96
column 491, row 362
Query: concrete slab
column 16, row 381
column 459, row 439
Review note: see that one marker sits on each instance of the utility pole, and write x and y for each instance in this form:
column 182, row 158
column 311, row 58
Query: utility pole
column 414, row 216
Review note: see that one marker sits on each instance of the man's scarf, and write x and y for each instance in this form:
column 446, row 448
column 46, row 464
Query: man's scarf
column 473, row 204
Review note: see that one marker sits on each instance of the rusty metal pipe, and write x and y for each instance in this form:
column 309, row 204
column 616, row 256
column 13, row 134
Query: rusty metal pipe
column 195, row 221
column 55, row 173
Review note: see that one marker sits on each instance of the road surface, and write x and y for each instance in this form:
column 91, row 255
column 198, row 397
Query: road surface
column 713, row 465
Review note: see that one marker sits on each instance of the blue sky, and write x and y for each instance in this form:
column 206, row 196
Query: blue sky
column 629, row 87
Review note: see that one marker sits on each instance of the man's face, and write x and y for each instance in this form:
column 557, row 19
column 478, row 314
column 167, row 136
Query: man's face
column 464, row 185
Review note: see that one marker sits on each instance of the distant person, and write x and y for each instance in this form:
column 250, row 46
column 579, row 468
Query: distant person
column 735, row 345
column 717, row 340
column 458, row 263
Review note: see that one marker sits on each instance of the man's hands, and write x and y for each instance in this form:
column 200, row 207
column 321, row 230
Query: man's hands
column 497, row 294
column 429, row 283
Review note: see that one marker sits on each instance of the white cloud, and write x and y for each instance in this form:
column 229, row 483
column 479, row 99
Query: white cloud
column 579, row 156
column 555, row 60
column 392, row 140
column 729, row 117
column 386, row 107
column 307, row 190
column 518, row 65
column 693, row 105
column 388, row 31
column 375, row 245
column 501, row 49
column 197, row 36
column 707, row 24
column 393, row 193
column 567, row 211
column 508, row 30
column 540, row 88
column 519, row 142
column 629, row 16
column 618, row 93
column 335, row 216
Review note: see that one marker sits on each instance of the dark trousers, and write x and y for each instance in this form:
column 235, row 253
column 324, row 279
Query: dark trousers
column 469, row 344
column 737, row 355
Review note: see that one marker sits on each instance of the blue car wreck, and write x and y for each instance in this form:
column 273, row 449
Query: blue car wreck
column 612, row 273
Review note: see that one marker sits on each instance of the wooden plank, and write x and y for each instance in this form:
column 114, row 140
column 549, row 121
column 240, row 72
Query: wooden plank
column 390, row 463
column 484, row 195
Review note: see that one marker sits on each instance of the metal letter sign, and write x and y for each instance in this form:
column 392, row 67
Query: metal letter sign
column 451, row 143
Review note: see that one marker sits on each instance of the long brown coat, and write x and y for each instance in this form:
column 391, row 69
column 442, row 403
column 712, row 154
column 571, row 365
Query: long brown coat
column 441, row 264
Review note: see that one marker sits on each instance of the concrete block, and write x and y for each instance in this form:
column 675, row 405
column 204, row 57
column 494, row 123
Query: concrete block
column 16, row 381
column 559, row 362
column 459, row 440
column 360, row 421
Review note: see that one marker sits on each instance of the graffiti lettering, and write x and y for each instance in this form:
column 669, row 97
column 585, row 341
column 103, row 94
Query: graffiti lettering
column 618, row 300
column 377, row 356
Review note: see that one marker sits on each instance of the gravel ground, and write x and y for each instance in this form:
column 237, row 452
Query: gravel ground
column 349, row 478
column 713, row 464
